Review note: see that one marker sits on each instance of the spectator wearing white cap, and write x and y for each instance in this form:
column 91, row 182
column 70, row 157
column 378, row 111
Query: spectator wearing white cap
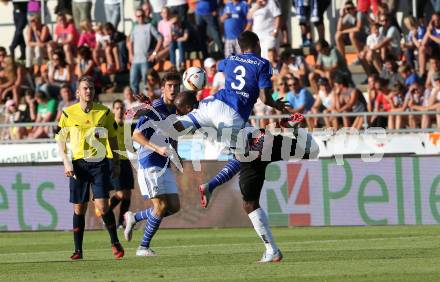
column 210, row 66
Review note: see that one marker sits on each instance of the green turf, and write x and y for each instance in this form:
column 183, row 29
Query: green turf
column 310, row 254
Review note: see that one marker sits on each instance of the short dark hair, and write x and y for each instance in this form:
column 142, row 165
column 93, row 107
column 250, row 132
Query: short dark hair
column 323, row 43
column 3, row 49
column 109, row 26
column 41, row 95
column 86, row 78
column 248, row 40
column 65, row 85
column 170, row 76
column 186, row 98
column 116, row 102
column 341, row 79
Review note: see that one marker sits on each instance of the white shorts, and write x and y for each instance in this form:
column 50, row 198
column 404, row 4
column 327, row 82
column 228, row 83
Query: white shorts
column 221, row 122
column 154, row 181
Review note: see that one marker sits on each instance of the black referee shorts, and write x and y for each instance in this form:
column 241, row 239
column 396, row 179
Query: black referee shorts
column 90, row 174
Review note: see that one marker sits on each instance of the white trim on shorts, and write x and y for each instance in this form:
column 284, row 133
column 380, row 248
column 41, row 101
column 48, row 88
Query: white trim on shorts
column 154, row 181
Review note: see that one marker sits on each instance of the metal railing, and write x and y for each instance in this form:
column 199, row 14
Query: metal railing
column 257, row 119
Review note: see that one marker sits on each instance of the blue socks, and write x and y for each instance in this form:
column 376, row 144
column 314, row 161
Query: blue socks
column 151, row 226
column 230, row 169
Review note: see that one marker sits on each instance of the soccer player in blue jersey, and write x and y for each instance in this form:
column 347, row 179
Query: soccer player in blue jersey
column 270, row 148
column 248, row 77
column 156, row 180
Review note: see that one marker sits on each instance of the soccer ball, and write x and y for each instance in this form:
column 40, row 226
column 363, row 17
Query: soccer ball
column 194, row 78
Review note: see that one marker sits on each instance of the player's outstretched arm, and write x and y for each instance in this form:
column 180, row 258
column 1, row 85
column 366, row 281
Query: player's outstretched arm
column 266, row 98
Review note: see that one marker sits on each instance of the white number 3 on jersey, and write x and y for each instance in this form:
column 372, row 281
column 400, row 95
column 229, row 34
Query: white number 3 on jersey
column 241, row 72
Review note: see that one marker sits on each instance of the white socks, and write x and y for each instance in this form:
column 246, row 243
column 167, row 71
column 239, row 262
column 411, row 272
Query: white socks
column 261, row 225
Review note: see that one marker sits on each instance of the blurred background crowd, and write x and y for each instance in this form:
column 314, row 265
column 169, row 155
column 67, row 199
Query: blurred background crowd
column 377, row 62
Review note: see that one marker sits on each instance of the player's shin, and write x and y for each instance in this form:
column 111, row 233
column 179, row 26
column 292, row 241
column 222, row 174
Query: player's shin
column 78, row 230
column 110, row 224
column 151, row 226
column 261, row 225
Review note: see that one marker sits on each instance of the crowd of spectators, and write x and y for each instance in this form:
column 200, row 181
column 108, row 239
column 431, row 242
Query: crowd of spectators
column 401, row 61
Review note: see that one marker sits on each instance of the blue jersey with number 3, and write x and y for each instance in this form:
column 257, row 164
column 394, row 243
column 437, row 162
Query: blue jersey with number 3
column 245, row 75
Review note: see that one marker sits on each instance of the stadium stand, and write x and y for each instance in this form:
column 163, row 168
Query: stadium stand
column 376, row 64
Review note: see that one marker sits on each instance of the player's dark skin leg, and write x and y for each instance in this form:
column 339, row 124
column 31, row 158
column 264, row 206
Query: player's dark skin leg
column 250, row 206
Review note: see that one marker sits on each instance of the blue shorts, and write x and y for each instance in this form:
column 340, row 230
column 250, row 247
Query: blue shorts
column 125, row 180
column 90, row 174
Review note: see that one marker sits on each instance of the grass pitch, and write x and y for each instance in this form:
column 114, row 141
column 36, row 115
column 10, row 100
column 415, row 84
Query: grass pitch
column 401, row 253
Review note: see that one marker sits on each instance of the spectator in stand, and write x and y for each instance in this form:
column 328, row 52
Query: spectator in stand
column 397, row 98
column 86, row 66
column 329, row 64
column 372, row 91
column 218, row 83
column 347, row 99
column 65, row 36
column 116, row 48
column 272, row 57
column 365, row 6
column 352, row 27
column 87, row 36
column 433, row 103
column 30, row 109
column 431, row 42
column 179, row 7
column 416, row 100
column 113, row 12
column 146, row 7
column 46, row 112
column 165, row 28
column 153, row 89
column 156, row 7
column 300, row 99
column 140, row 43
column 38, row 35
column 207, row 23
column 12, row 115
column 434, row 67
column 311, row 11
column 101, row 41
column 382, row 104
column 129, row 100
column 59, row 73
column 281, row 87
column 81, row 10
column 64, row 6
column 179, row 36
column 3, row 55
column 17, row 80
column 368, row 54
column 67, row 99
column 296, row 65
column 210, row 66
column 389, row 72
column 264, row 18
column 408, row 75
column 323, row 102
column 388, row 46
column 20, row 22
column 413, row 39
column 234, row 21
